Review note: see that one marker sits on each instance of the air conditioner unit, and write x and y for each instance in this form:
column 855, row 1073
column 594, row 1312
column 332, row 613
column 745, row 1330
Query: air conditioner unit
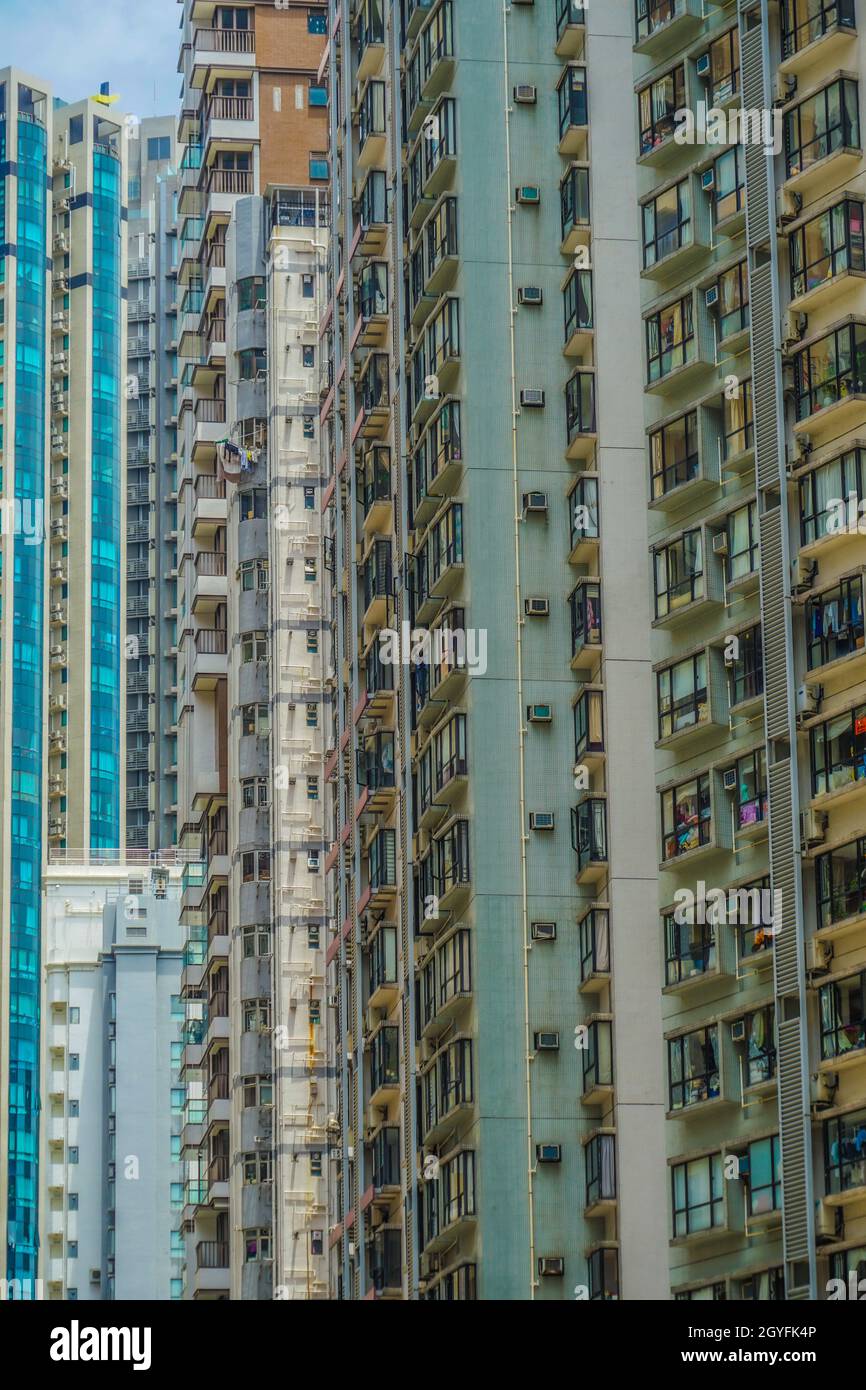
column 525, row 94
column 703, row 65
column 530, row 294
column 813, row 827
column 794, row 328
column 551, row 1266
column 540, row 714
column 720, row 543
column 708, row 180
column 809, row 700
column 544, row 931
column 532, row 398
column 541, row 820
column 827, row 1221
column 804, row 572
column 547, row 1042
column 711, row 296
column 534, row 503
column 788, row 205
column 333, row 1001
column 62, row 205
column 548, row 1153
column 537, row 607
column 826, row 1086
column 96, row 1276
column 738, row 1030
column 528, row 194
column 729, row 779
column 818, row 956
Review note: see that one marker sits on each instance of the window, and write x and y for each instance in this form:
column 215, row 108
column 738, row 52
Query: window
column 768, row 1286
column 667, row 223
column 310, row 570
column 255, row 720
column 257, row 1245
column 729, row 183
column 697, row 1189
column 308, row 286
column 309, row 356
column 826, row 122
column 679, row 573
column 708, row 1293
column 742, row 529
column 746, row 678
column 658, row 105
column 835, row 623
column 317, row 1243
column 571, row 93
column 76, row 130
column 724, row 67
column 841, row 883
column 823, row 490
column 256, row 1016
column 733, row 288
column 750, row 907
column 309, row 430
column 316, row 1165
column 309, row 499
column 252, row 364
column 313, row 643
column 831, row 369
column 72, row 1110
column 761, row 1046
column 255, row 791
column 845, row 1152
column 577, row 303
column 750, row 798
column 159, row 148
column 693, row 1068
column 251, row 292
column 253, row 504
column 804, row 21
column 312, row 717
column 674, row 454
column 73, row 1154
column 317, row 22
column 72, row 1249
column 256, row 866
column 843, row 1016
column 72, row 1201
column 254, row 647
column 74, row 1061
column 839, row 751
column 690, row 949
column 315, row 1011
column 682, row 695
column 257, row 1168
column 256, row 941
column 312, row 788
column 686, row 817
column 738, row 424
column 826, row 246
column 318, row 167
column 670, row 339
column 257, row 1090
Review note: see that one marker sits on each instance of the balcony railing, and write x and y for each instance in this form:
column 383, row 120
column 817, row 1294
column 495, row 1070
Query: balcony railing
column 211, row 641
column 208, row 485
column 230, row 181
column 210, row 411
column 230, row 109
column 225, row 40
column 212, row 1254
column 210, row 562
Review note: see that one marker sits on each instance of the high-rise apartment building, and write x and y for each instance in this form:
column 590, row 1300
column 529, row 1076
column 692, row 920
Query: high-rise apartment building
column 752, row 266
column 497, row 1021
column 111, row 1177
column 252, row 121
column 61, row 694
column 150, row 485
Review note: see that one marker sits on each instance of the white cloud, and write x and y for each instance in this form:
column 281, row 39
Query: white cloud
column 78, row 44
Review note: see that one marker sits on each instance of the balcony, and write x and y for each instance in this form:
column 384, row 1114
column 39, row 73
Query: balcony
column 376, row 489
column 209, row 661
column 664, row 25
column 827, row 257
column 599, row 1159
column 231, row 49
column 580, row 422
column 378, row 585
column 451, row 865
column 822, row 139
column 573, row 113
column 693, row 826
column 845, row 1158
column 823, row 36
column 830, row 380
column 597, row 1058
column 372, row 213
column 385, row 1262
column 374, row 395
column 586, row 625
column 584, row 524
column 382, row 883
column 375, row 772
column 378, row 682
column 370, row 39
column 570, row 28
column 384, row 1050
column 224, row 114
column 384, row 985
column 842, row 1013
column 211, row 1265
column 589, row 749
column 594, row 937
column 836, row 630
column 210, row 585
column 437, row 463
column 574, row 209
column 372, row 304
column 589, row 839
column 372, row 131
column 210, row 506
column 210, row 428
column 386, row 1162
column 838, row 753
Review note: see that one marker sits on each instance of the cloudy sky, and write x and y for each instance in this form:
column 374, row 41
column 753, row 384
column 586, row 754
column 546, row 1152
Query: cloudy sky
column 78, row 44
